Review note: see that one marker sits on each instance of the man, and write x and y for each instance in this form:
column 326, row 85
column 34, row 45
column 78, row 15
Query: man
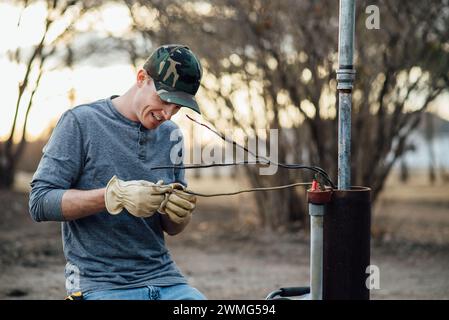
column 95, row 177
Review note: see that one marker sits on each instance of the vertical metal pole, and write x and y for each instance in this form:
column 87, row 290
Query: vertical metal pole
column 347, row 220
column 345, row 80
column 316, row 213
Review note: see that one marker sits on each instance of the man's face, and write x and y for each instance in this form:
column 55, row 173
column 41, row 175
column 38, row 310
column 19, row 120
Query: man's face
column 150, row 109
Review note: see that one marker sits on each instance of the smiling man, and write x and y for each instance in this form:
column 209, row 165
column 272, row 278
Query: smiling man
column 95, row 177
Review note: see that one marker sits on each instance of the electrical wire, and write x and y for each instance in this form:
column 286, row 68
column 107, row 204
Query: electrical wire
column 247, row 190
column 283, row 165
column 287, row 166
column 258, row 158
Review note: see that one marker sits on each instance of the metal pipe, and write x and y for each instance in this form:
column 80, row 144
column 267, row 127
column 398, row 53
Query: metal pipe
column 344, row 140
column 345, row 80
column 347, row 225
column 346, row 34
column 316, row 213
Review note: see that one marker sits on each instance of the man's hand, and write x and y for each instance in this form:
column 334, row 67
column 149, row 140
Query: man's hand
column 141, row 198
column 179, row 205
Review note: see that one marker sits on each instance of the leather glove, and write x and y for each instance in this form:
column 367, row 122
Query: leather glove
column 141, row 198
column 179, row 204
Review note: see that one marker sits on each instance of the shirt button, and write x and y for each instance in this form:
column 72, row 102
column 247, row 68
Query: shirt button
column 141, row 142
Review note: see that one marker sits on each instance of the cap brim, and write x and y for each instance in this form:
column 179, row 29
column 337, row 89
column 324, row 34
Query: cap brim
column 180, row 98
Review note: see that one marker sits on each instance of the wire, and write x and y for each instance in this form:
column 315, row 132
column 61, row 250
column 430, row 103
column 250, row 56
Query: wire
column 283, row 165
column 267, row 161
column 287, row 166
column 247, row 190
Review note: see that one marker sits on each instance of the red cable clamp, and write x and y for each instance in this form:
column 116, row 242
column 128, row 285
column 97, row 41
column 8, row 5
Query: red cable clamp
column 317, row 196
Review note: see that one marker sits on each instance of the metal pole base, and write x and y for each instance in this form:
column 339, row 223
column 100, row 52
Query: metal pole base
column 346, row 250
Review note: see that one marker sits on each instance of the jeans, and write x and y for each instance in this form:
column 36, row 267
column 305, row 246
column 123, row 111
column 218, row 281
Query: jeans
column 175, row 292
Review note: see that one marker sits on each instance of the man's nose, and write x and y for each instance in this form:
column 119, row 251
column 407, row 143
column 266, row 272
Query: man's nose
column 169, row 111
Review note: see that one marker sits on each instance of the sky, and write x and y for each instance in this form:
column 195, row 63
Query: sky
column 87, row 82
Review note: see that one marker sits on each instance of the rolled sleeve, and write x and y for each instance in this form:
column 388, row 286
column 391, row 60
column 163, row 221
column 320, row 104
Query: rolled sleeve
column 46, row 205
column 58, row 170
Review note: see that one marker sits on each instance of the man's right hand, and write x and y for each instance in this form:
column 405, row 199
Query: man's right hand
column 141, row 198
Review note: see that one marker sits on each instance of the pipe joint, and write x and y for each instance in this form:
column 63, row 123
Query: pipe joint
column 316, row 210
column 345, row 79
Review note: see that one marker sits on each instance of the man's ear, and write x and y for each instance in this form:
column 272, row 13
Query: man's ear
column 142, row 76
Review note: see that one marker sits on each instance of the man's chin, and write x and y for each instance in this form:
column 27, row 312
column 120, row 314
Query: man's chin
column 151, row 126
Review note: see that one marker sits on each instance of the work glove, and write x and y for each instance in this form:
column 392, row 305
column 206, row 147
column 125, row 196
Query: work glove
column 179, row 204
column 141, row 198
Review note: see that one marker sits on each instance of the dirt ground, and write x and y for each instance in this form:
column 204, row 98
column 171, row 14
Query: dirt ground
column 227, row 255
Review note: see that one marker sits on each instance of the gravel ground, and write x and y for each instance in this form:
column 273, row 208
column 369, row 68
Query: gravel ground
column 227, row 256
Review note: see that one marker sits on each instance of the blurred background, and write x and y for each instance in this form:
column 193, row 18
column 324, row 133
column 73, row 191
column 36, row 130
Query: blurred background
column 267, row 65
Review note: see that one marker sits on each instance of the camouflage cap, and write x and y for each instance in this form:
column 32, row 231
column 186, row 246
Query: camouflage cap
column 176, row 72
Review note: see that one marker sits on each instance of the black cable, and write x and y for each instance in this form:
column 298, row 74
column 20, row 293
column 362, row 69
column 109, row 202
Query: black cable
column 267, row 161
column 288, row 166
column 282, row 165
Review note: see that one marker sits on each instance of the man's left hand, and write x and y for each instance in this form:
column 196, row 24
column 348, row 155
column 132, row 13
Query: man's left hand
column 180, row 204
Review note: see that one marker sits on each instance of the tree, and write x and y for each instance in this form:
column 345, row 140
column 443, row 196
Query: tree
column 53, row 51
column 283, row 55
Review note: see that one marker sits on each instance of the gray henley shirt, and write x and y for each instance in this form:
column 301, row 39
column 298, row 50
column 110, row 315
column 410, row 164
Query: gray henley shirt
column 89, row 145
